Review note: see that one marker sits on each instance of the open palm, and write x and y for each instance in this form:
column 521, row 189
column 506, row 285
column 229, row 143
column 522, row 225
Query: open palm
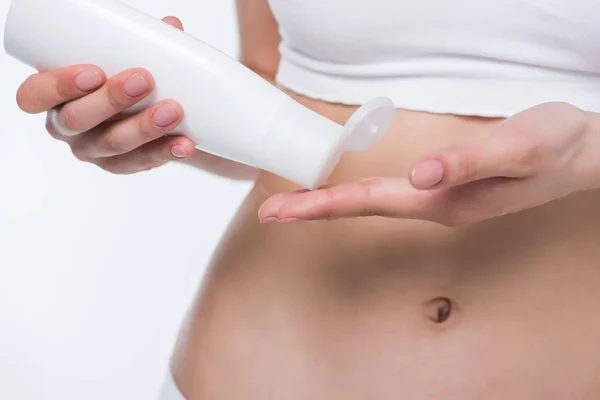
column 539, row 155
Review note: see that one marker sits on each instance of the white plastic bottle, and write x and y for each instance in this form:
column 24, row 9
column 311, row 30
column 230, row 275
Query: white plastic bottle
column 229, row 110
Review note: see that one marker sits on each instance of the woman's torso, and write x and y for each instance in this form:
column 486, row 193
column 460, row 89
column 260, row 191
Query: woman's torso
column 346, row 309
column 353, row 308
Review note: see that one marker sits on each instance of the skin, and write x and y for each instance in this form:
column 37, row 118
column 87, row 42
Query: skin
column 389, row 308
column 349, row 308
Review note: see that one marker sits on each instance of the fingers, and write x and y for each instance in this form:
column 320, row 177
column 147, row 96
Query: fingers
column 130, row 133
column 149, row 156
column 378, row 196
column 85, row 110
column 174, row 22
column 453, row 207
column 269, row 211
column 46, row 90
column 498, row 156
column 116, row 95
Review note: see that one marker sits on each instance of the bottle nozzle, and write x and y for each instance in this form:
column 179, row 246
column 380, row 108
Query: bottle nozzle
column 369, row 124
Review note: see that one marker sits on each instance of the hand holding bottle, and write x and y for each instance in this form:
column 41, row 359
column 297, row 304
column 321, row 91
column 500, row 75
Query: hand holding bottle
column 231, row 111
column 84, row 110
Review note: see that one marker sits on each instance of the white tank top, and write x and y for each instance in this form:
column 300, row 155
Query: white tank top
column 471, row 57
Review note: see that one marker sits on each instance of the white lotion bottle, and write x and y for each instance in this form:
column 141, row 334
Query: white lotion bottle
column 229, row 110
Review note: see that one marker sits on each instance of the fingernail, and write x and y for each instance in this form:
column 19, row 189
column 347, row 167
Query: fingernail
column 135, row 85
column 268, row 220
column 164, row 115
column 290, row 220
column 427, row 174
column 88, row 80
column 179, row 151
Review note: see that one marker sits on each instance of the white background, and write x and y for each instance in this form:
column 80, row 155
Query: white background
column 97, row 270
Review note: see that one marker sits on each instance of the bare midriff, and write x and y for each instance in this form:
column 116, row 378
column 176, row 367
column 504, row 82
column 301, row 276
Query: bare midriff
column 378, row 308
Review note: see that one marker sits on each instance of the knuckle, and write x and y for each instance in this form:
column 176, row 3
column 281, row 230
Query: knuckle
column 146, row 164
column 148, row 160
column 366, row 188
column 146, row 130
column 370, row 208
column 63, row 90
column 368, row 185
column 69, row 118
column 467, row 168
column 328, row 204
column 111, row 144
column 529, row 154
column 147, row 135
column 116, row 99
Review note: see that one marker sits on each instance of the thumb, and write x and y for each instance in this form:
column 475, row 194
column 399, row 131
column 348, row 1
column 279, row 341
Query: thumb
column 174, row 22
column 497, row 156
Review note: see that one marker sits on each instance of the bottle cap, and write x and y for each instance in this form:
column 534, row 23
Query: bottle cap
column 305, row 147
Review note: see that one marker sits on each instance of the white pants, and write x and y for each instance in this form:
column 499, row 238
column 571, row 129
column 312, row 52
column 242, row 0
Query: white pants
column 170, row 390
